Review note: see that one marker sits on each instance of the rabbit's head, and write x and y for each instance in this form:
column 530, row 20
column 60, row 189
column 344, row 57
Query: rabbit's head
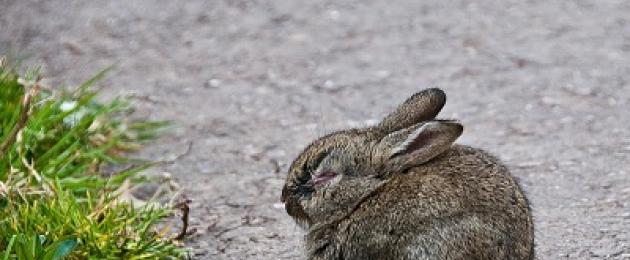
column 335, row 172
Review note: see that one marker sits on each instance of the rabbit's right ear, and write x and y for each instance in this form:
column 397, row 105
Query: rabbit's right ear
column 422, row 106
column 418, row 144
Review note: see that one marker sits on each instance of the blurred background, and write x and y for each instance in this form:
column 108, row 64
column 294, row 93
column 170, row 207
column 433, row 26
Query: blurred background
column 545, row 85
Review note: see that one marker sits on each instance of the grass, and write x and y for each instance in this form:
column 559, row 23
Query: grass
column 56, row 202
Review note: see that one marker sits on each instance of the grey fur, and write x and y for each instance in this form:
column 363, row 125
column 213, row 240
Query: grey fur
column 404, row 191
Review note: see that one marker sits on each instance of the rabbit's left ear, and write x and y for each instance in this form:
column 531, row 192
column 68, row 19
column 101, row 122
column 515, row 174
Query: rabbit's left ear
column 418, row 144
column 422, row 106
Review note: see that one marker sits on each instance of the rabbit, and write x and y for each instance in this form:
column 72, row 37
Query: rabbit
column 403, row 190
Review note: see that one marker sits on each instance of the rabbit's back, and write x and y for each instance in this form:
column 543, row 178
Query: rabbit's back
column 462, row 205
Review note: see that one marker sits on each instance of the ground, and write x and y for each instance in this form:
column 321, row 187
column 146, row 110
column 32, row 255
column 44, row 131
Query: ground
column 545, row 85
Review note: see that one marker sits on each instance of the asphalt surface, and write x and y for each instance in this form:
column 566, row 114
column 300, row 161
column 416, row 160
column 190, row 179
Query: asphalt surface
column 545, row 85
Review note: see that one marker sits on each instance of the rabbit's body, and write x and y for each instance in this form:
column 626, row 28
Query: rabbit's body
column 401, row 191
column 434, row 212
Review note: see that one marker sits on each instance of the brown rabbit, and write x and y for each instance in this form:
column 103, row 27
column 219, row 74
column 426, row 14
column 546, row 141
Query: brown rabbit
column 402, row 190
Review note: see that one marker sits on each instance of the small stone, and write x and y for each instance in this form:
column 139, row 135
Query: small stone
column 73, row 47
column 67, row 106
column 584, row 91
column 272, row 235
column 382, row 74
column 213, row 83
column 299, row 37
column 612, row 101
column 329, row 84
column 145, row 191
column 567, row 120
column 201, row 244
column 310, row 126
column 334, row 14
column 550, row 100
column 529, row 164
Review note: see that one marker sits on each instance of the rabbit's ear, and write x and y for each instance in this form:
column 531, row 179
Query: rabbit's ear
column 422, row 106
column 418, row 144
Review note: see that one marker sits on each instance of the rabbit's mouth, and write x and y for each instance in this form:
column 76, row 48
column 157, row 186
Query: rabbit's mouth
column 291, row 196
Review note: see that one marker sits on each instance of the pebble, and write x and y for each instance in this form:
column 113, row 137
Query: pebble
column 67, row 106
column 272, row 235
column 529, row 164
column 329, row 84
column 382, row 74
column 213, row 83
column 201, row 244
column 550, row 101
column 334, row 14
column 299, row 37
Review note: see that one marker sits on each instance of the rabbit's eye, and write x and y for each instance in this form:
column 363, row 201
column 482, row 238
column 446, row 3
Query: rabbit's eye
column 323, row 178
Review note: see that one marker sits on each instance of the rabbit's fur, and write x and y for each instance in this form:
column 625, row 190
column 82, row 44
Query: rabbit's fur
column 402, row 190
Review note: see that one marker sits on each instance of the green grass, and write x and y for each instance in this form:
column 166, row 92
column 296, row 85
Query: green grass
column 55, row 201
